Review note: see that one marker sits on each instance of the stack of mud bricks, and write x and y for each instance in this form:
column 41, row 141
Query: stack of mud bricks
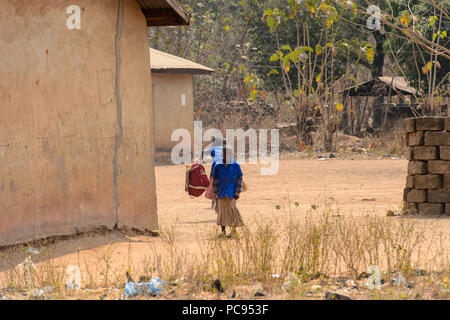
column 427, row 189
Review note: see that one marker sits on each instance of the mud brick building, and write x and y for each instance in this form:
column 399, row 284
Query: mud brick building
column 76, row 136
column 173, row 96
column 427, row 189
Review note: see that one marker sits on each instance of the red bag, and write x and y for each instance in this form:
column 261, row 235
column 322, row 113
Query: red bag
column 197, row 180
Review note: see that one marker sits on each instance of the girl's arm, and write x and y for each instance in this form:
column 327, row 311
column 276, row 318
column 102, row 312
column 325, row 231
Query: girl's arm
column 239, row 187
column 216, row 186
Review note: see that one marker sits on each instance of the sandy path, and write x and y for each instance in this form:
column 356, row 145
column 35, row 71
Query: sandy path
column 358, row 187
column 307, row 182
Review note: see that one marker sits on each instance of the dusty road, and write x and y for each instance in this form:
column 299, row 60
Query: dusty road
column 354, row 187
column 357, row 186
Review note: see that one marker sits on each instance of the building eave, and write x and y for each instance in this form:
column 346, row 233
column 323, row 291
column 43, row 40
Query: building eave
column 165, row 13
column 182, row 71
column 163, row 62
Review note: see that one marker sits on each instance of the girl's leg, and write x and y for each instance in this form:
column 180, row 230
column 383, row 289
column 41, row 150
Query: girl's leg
column 233, row 233
column 223, row 234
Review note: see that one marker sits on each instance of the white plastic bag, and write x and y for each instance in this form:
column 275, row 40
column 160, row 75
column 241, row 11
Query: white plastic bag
column 73, row 277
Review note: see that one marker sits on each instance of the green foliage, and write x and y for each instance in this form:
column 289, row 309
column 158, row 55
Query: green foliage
column 219, row 38
column 413, row 59
column 270, row 46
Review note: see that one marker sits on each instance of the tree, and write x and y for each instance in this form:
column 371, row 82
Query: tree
column 217, row 37
column 318, row 59
column 422, row 63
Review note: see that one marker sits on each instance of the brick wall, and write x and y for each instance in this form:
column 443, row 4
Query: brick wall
column 427, row 189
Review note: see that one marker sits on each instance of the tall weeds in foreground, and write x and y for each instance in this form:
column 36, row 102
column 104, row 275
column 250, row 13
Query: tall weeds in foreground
column 323, row 243
column 28, row 275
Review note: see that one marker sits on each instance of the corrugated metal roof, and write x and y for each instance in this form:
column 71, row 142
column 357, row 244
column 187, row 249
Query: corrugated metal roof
column 381, row 86
column 162, row 62
column 164, row 12
column 398, row 83
column 154, row 4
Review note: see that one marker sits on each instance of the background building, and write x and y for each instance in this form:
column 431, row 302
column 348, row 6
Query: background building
column 173, row 98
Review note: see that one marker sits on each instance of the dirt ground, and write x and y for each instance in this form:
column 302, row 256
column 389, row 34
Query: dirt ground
column 358, row 187
column 355, row 187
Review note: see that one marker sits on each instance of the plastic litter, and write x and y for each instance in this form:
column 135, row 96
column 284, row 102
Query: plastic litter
column 41, row 292
column 27, row 264
column 73, row 277
column 420, row 272
column 154, row 287
column 290, row 282
column 374, row 280
column 351, row 284
column 33, row 251
column 399, row 281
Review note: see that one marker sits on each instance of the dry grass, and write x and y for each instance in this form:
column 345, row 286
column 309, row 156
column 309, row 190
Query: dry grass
column 391, row 143
column 285, row 259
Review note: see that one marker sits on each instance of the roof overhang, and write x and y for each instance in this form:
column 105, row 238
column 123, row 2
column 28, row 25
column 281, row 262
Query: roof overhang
column 380, row 86
column 163, row 62
column 182, row 71
column 165, row 13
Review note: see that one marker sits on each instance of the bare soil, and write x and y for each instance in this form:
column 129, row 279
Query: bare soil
column 354, row 187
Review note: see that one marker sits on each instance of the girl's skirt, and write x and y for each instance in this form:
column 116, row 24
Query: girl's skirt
column 228, row 214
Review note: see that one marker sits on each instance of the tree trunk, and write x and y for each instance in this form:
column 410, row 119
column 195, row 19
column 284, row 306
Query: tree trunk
column 378, row 60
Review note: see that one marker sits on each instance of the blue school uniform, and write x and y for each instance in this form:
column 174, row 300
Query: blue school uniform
column 227, row 180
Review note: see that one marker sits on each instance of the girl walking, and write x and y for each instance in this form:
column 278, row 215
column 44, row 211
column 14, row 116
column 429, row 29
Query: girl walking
column 228, row 185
